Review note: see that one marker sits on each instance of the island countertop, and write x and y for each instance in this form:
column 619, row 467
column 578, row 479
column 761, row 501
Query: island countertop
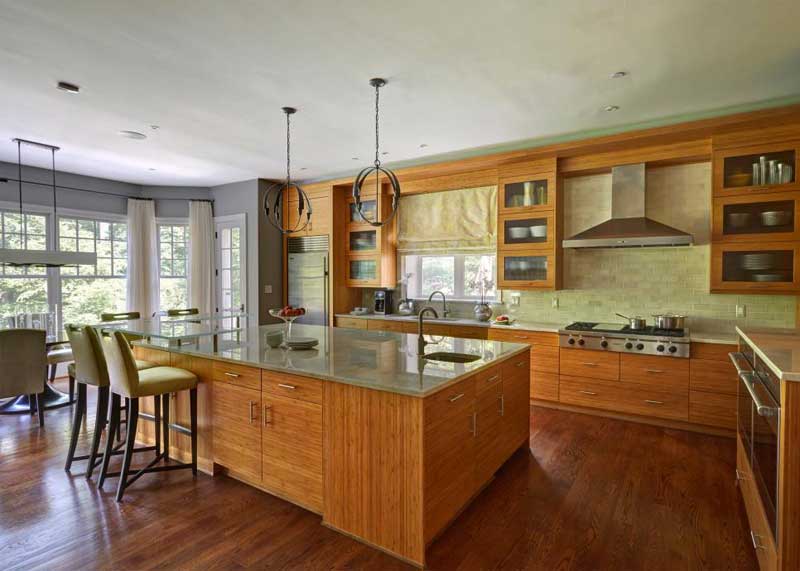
column 379, row 360
column 778, row 348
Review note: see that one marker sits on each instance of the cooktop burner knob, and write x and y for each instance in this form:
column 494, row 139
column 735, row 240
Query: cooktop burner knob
column 571, row 341
column 604, row 343
column 673, row 349
column 660, row 348
column 581, row 342
column 629, row 345
column 639, row 346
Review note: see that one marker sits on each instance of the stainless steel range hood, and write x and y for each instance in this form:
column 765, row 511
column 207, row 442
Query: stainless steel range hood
column 628, row 226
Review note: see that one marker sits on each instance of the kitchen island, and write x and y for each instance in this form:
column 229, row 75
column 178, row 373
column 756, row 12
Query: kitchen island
column 388, row 447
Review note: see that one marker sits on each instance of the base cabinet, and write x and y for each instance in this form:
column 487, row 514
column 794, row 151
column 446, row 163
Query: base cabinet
column 237, row 430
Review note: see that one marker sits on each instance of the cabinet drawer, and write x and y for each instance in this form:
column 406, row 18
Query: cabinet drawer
column 713, row 376
column 302, row 388
column 523, row 336
column 467, row 332
column 588, row 363
column 544, row 386
column 617, row 397
column 385, row 325
column 517, row 366
column 247, row 377
column 488, row 378
column 756, row 516
column 712, row 351
column 544, row 358
column 455, row 400
column 657, row 373
column 712, row 409
column 351, row 323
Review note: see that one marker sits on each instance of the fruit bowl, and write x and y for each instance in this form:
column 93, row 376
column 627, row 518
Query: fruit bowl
column 288, row 314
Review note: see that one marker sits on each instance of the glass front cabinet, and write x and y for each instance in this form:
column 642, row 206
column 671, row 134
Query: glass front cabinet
column 756, row 169
column 764, row 267
column 370, row 250
column 363, row 271
column 521, row 232
column 757, row 218
column 526, row 271
column 526, row 193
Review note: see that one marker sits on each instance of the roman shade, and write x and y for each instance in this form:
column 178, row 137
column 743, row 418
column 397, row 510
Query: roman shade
column 451, row 221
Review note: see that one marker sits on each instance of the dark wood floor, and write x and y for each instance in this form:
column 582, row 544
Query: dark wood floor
column 594, row 494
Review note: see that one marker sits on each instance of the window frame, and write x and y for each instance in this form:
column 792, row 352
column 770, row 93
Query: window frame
column 458, row 274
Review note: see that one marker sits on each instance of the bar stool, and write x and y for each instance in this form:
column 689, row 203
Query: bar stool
column 61, row 354
column 90, row 368
column 180, row 312
column 132, row 384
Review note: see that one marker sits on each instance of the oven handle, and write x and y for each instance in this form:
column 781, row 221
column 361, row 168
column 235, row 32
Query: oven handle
column 740, row 362
column 761, row 408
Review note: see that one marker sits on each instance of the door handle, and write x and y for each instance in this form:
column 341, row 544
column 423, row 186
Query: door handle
column 267, row 414
column 234, row 375
column 474, row 428
column 456, row 397
column 502, row 410
column 251, row 404
column 756, row 542
column 492, row 378
column 285, row 386
column 589, row 364
column 590, row 393
column 654, row 371
column 761, row 408
column 656, row 402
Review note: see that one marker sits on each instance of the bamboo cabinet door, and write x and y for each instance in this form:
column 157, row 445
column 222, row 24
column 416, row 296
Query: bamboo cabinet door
column 773, row 217
column 764, row 267
column 526, row 232
column 489, row 429
column 363, row 271
column 529, row 270
column 733, row 172
column 292, row 450
column 320, row 222
column 237, row 430
column 526, row 193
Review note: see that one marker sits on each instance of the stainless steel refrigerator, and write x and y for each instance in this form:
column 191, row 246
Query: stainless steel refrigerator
column 308, row 278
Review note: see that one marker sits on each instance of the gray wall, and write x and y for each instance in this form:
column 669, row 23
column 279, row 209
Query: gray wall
column 270, row 259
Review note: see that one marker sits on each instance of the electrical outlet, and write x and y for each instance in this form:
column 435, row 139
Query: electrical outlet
column 741, row 310
column 515, row 300
column 554, row 303
column 267, row 289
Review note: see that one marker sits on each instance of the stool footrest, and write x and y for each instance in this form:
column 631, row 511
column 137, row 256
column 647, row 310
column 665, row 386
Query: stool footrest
column 151, row 468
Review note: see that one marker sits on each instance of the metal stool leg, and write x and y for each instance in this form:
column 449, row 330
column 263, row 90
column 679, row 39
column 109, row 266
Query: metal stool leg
column 193, row 415
column 113, row 425
column 77, row 420
column 165, row 424
column 99, row 424
column 133, row 417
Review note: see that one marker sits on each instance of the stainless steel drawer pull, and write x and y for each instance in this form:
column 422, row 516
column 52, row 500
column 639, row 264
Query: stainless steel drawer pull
column 520, row 364
column 492, row 378
column 267, row 414
column 234, row 375
column 456, row 397
column 756, row 542
column 284, row 386
column 648, row 401
column 251, row 404
column 502, row 410
column 656, row 371
column 474, row 428
column 588, row 393
column 520, row 336
column 739, row 475
column 589, row 364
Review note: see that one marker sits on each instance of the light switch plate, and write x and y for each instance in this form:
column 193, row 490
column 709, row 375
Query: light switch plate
column 741, row 310
column 514, row 299
column 554, row 303
column 267, row 289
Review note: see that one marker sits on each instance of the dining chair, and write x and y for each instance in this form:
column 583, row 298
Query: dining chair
column 90, row 368
column 130, row 383
column 179, row 312
column 23, row 361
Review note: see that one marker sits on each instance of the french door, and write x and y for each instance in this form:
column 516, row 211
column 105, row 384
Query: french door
column 231, row 263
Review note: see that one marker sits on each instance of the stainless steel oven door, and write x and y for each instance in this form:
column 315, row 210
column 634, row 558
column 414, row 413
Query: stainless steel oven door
column 744, row 414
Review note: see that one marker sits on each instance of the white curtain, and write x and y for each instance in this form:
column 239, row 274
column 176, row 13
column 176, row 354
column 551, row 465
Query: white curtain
column 142, row 257
column 201, row 256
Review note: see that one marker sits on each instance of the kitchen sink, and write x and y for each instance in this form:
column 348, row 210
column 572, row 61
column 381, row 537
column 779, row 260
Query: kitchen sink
column 452, row 357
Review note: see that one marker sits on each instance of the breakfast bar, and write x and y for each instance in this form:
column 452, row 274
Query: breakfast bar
column 386, row 444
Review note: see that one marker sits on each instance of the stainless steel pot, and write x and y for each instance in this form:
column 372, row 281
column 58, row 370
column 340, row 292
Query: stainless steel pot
column 669, row 321
column 637, row 322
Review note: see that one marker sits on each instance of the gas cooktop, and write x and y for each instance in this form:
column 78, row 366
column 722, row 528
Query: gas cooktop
column 620, row 338
column 624, row 328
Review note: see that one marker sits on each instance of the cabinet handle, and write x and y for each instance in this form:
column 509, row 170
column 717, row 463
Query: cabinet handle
column 658, row 402
column 520, row 364
column 474, row 429
column 589, row 393
column 502, row 410
column 739, row 476
column 492, row 378
column 267, row 414
column 756, row 543
column 250, row 406
column 456, row 397
column 654, row 371
column 284, row 386
column 589, row 364
column 520, row 336
column 234, row 375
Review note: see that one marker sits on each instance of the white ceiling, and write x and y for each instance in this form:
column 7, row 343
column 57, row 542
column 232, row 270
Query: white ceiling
column 462, row 74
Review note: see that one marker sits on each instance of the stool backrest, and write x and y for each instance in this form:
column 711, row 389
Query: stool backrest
column 122, row 371
column 179, row 312
column 87, row 350
column 23, row 361
column 104, row 317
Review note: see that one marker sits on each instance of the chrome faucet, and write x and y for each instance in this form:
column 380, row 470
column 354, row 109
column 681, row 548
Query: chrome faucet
column 445, row 311
column 420, row 335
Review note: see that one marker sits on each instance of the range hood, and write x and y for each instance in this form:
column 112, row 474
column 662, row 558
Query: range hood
column 42, row 258
column 628, row 226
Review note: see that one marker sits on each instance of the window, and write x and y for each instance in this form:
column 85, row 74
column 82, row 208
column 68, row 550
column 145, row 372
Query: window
column 172, row 259
column 89, row 290
column 460, row 276
column 22, row 289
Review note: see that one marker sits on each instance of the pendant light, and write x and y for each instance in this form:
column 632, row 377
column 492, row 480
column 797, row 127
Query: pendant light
column 376, row 168
column 42, row 258
column 273, row 199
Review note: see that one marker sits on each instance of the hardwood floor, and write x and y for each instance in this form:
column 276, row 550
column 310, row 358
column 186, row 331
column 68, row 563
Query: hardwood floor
column 595, row 493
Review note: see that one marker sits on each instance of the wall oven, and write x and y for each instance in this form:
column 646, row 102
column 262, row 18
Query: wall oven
column 759, row 413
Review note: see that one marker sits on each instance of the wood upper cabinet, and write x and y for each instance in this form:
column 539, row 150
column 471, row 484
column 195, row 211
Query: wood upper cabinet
column 237, row 430
column 764, row 267
column 733, row 169
column 370, row 252
column 320, row 222
column 525, row 193
column 292, row 450
column 528, row 270
column 526, row 232
column 756, row 218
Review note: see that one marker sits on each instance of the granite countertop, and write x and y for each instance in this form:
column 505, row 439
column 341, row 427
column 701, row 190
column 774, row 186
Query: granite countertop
column 725, row 338
column 378, row 360
column 778, row 348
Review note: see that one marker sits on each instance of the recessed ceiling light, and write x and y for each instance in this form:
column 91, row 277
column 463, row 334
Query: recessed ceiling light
column 155, row 127
column 619, row 74
column 611, row 108
column 384, row 153
column 151, row 169
column 303, row 168
column 133, row 135
column 68, row 87
column 355, row 158
column 423, row 145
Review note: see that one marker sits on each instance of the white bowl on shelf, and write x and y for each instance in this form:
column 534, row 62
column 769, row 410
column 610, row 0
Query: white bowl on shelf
column 539, row 231
column 518, row 232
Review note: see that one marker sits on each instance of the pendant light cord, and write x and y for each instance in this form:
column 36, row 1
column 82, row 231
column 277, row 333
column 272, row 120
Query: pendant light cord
column 288, row 153
column 377, row 125
column 19, row 173
column 53, row 160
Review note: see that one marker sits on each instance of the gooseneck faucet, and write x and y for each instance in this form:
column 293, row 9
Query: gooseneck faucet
column 420, row 335
column 445, row 311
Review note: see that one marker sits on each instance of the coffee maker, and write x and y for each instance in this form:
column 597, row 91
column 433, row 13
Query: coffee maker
column 383, row 301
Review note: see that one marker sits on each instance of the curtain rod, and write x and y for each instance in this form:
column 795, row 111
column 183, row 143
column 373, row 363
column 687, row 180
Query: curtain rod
column 49, row 185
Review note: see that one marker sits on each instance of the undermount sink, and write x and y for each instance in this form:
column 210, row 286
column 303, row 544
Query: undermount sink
column 451, row 357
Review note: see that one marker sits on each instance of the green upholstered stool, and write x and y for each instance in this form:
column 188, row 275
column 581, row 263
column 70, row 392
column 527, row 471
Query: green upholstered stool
column 179, row 312
column 89, row 368
column 132, row 384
